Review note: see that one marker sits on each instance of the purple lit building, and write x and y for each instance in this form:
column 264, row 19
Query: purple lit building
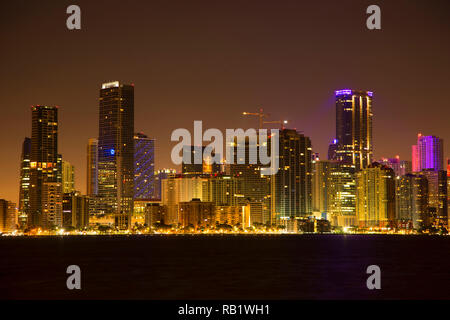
column 428, row 153
column 354, row 127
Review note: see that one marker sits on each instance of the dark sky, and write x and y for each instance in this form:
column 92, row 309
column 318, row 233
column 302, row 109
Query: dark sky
column 211, row 60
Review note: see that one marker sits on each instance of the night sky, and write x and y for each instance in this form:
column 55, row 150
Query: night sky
column 211, row 60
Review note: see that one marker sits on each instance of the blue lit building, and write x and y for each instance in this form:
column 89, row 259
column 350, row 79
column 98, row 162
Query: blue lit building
column 144, row 167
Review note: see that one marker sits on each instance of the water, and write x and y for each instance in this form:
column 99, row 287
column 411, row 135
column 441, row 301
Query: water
column 226, row 267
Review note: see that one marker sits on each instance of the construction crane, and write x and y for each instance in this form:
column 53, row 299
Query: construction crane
column 280, row 122
column 259, row 114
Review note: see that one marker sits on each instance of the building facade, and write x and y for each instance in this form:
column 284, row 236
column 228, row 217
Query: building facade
column 45, row 169
column 354, row 127
column 24, row 192
column 375, row 197
column 116, row 152
column 144, row 167
column 92, row 168
column 428, row 153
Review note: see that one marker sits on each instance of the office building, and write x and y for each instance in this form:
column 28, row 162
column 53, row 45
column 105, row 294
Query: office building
column 116, row 152
column 375, row 197
column 24, row 193
column 75, row 211
column 45, row 169
column 92, row 168
column 411, row 202
column 341, row 203
column 7, row 216
column 354, row 127
column 428, row 153
column 197, row 214
column 68, row 177
column 291, row 185
column 144, row 167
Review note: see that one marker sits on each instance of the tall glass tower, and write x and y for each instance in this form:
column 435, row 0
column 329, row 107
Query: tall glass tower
column 24, row 193
column 428, row 153
column 144, row 167
column 45, row 190
column 354, row 127
column 116, row 151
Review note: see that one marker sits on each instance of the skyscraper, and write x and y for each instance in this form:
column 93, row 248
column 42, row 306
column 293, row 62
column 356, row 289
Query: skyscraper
column 255, row 187
column 116, row 151
column 375, row 197
column 354, row 127
column 428, row 153
column 437, row 197
column 320, row 180
column 44, row 168
column 68, row 177
column 411, row 201
column 291, row 188
column 24, row 193
column 7, row 216
column 400, row 167
column 144, row 167
column 342, row 194
column 92, row 168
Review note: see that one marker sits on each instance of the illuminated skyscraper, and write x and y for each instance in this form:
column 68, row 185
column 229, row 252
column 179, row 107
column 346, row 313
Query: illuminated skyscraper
column 194, row 164
column 144, row 167
column 68, row 177
column 44, row 172
column 354, row 127
column 411, row 201
column 400, row 167
column 24, row 193
column 437, row 197
column 255, row 187
column 7, row 216
column 332, row 148
column 341, row 202
column 159, row 176
column 428, row 153
column 375, row 197
column 320, row 181
column 116, row 151
column 292, row 194
column 92, row 168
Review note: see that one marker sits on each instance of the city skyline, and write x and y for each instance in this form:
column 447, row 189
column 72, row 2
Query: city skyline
column 166, row 84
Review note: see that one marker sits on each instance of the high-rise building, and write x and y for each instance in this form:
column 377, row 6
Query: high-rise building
column 116, row 151
column 375, row 197
column 411, row 201
column 332, row 149
column 437, row 197
column 44, row 168
column 428, row 153
column 195, row 164
column 154, row 213
column 400, row 167
column 291, row 185
column 52, row 205
column 68, row 177
column 197, row 214
column 255, row 187
column 342, row 194
column 144, row 167
column 75, row 210
column 92, row 168
column 320, row 181
column 159, row 176
column 7, row 216
column 354, row 127
column 224, row 190
column 24, row 193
